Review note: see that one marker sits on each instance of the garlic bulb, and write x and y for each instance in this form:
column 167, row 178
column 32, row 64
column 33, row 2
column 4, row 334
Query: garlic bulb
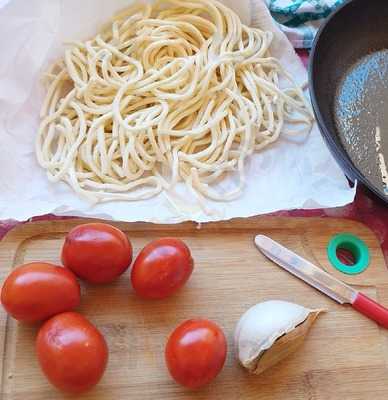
column 270, row 331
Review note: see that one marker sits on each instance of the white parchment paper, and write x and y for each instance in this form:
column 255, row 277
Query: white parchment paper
column 288, row 175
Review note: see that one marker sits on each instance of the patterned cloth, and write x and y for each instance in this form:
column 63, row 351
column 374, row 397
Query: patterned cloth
column 300, row 19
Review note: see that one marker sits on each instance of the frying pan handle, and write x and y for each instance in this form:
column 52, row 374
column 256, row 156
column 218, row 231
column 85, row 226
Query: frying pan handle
column 371, row 309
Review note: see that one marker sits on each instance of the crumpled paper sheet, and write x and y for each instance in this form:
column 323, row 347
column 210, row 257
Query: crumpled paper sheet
column 289, row 175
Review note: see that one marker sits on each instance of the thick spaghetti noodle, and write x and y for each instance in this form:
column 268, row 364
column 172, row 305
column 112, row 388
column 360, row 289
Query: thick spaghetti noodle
column 179, row 90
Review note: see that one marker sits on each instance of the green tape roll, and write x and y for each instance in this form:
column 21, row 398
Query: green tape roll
column 356, row 246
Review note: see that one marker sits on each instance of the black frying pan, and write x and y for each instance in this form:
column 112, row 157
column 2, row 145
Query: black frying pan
column 349, row 89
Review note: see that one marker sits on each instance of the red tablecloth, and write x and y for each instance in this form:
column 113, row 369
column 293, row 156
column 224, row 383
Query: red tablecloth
column 365, row 209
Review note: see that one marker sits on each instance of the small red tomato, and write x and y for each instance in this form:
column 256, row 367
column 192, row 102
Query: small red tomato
column 196, row 353
column 97, row 253
column 37, row 291
column 72, row 353
column 161, row 268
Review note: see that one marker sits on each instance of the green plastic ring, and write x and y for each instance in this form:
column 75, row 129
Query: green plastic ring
column 356, row 246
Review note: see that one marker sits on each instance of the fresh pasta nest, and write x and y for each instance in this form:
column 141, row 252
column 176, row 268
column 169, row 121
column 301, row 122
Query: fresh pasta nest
column 176, row 91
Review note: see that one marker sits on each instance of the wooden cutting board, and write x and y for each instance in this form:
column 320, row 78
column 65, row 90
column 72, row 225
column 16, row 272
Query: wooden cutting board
column 344, row 357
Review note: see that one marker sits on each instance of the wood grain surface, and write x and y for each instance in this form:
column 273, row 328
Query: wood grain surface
column 344, row 357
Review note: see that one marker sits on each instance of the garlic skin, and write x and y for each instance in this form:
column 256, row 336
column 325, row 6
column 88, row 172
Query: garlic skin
column 263, row 324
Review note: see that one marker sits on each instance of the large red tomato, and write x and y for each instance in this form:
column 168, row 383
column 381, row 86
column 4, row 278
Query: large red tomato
column 72, row 353
column 37, row 291
column 161, row 268
column 196, row 353
column 97, row 252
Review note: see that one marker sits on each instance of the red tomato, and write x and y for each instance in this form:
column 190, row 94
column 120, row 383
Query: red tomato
column 37, row 291
column 196, row 353
column 161, row 268
column 72, row 353
column 97, row 252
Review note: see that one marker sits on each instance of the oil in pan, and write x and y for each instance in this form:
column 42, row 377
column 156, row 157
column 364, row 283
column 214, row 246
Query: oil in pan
column 361, row 116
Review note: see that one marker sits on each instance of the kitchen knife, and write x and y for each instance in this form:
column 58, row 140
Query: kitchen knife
column 321, row 280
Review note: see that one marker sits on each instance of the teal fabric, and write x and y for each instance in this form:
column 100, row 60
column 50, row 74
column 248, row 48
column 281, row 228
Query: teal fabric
column 300, row 19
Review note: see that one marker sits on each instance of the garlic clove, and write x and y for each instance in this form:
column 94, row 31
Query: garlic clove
column 285, row 345
column 270, row 331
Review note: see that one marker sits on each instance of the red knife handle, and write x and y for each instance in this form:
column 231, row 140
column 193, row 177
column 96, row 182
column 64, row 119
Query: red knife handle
column 371, row 309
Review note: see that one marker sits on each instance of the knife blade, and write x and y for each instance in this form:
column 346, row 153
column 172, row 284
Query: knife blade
column 321, row 280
